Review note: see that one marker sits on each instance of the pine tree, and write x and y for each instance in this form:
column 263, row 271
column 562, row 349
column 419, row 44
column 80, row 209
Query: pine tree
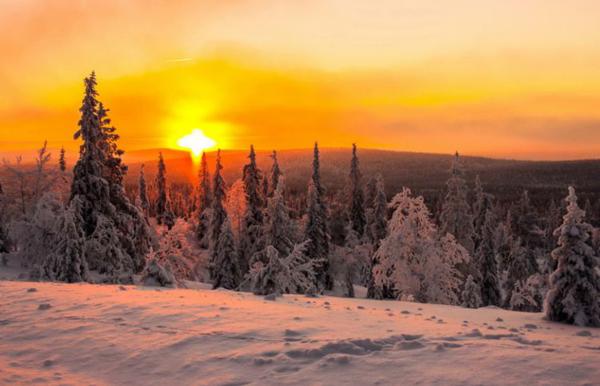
column 275, row 174
column 117, row 235
column 219, row 214
column 279, row 230
column 62, row 163
column 357, row 202
column 67, row 260
column 224, row 269
column 143, row 193
column 574, row 295
column 251, row 240
column 204, row 203
column 471, row 294
column 455, row 217
column 485, row 263
column 163, row 207
column 378, row 229
column 316, row 231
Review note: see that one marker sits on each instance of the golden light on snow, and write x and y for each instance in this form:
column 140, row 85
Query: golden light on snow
column 196, row 142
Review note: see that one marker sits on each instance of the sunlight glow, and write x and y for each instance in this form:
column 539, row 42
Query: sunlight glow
column 197, row 142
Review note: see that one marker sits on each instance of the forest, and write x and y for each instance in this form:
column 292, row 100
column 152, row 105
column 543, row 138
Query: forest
column 464, row 242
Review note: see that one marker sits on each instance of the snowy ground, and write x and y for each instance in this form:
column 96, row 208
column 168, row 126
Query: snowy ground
column 107, row 334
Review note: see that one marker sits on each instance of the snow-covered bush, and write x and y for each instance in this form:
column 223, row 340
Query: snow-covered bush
column 159, row 274
column 293, row 273
column 414, row 259
column 574, row 294
column 176, row 248
column 471, row 294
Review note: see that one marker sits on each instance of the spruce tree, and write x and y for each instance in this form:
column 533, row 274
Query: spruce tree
column 275, row 174
column 316, row 231
column 67, row 260
column 223, row 266
column 456, row 216
column 218, row 210
column 117, row 236
column 204, row 203
column 471, row 294
column 143, row 192
column 356, row 208
column 377, row 231
column 485, row 263
column 163, row 207
column 574, row 294
column 62, row 163
column 251, row 240
column 279, row 229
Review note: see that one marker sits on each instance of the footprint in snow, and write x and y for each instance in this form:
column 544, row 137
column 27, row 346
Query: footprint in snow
column 360, row 307
column 583, row 333
column 44, row 306
column 32, row 290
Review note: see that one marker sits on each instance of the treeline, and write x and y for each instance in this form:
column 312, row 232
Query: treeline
column 466, row 249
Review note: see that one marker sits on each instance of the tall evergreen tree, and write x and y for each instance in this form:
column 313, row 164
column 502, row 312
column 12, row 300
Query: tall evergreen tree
column 117, row 236
column 143, row 192
column 62, row 163
column 485, row 263
column 219, row 214
column 204, row 203
column 4, row 242
column 316, row 231
column 224, row 269
column 456, row 216
column 279, row 229
column 574, row 295
column 357, row 199
column 275, row 174
column 163, row 208
column 377, row 230
column 251, row 241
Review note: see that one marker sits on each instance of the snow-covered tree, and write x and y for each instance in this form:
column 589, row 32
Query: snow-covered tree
column 235, row 205
column 471, row 294
column 176, row 251
column 316, row 231
column 292, row 273
column 251, row 240
column 218, row 213
column 356, row 207
column 280, row 232
column 455, row 217
column 62, row 163
column 143, row 193
column 377, row 227
column 105, row 214
column 4, row 241
column 224, row 263
column 204, row 203
column 163, row 207
column 485, row 263
column 274, row 175
column 414, row 260
column 66, row 261
column 574, row 294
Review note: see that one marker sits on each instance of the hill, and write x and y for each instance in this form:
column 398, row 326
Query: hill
column 422, row 172
column 106, row 334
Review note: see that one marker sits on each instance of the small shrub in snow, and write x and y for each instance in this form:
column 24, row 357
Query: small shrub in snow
column 293, row 273
column 158, row 274
column 471, row 294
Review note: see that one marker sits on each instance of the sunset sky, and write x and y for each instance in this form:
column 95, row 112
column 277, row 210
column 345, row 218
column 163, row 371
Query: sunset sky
column 510, row 78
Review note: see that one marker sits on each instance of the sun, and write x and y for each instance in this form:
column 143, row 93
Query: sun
column 197, row 142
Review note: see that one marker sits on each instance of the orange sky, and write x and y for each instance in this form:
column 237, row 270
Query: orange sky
column 499, row 78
